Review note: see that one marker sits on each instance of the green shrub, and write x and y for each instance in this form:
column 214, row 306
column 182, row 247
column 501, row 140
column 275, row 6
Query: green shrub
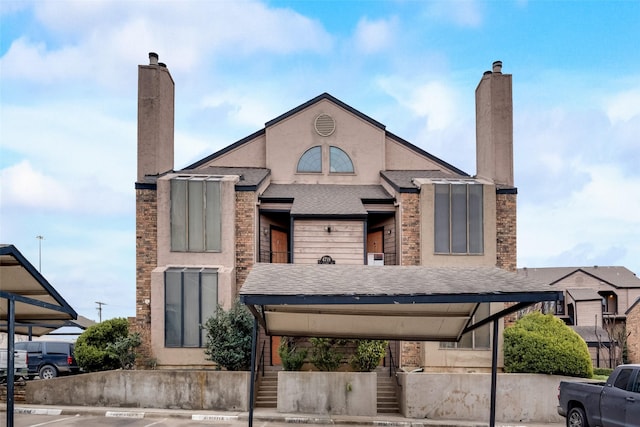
column 543, row 344
column 368, row 354
column 292, row 357
column 324, row 354
column 106, row 346
column 229, row 336
column 602, row 372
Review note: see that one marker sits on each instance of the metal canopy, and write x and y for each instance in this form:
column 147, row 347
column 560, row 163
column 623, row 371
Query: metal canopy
column 32, row 307
column 413, row 303
column 37, row 304
column 381, row 302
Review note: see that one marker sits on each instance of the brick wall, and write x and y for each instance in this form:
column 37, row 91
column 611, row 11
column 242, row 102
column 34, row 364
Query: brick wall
column 410, row 223
column 633, row 330
column 245, row 235
column 146, row 261
column 410, row 255
column 506, row 241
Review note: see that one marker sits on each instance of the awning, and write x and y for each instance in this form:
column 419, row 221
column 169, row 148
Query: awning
column 382, row 302
column 37, row 303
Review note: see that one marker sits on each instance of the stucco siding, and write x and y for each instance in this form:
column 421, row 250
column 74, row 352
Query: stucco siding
column 292, row 137
column 250, row 154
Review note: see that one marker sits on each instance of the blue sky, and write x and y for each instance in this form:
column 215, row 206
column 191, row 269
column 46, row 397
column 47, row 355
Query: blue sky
column 68, row 111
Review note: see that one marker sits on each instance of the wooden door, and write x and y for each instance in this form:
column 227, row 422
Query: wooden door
column 279, row 246
column 374, row 242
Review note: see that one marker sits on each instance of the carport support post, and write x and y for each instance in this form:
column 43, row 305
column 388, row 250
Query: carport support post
column 494, row 374
column 11, row 311
column 254, row 344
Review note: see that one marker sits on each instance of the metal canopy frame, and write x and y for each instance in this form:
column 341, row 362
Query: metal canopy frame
column 383, row 302
column 32, row 304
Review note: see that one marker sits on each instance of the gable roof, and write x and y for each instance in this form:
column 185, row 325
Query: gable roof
column 618, row 277
column 325, row 199
column 322, row 97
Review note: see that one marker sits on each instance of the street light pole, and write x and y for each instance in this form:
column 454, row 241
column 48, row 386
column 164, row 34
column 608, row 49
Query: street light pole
column 40, row 238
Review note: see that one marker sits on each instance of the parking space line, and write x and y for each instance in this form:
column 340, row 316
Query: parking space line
column 157, row 422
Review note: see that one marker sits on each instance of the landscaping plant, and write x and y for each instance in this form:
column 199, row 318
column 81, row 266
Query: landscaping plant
column 544, row 344
column 229, row 338
column 106, row 346
column 292, row 357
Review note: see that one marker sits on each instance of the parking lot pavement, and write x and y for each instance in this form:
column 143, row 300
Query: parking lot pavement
column 29, row 416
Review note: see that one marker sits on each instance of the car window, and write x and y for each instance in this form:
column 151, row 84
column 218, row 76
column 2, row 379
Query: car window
column 622, row 380
column 29, row 346
column 636, row 385
column 57, row 348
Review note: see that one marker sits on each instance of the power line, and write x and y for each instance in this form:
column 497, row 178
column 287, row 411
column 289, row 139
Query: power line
column 100, row 304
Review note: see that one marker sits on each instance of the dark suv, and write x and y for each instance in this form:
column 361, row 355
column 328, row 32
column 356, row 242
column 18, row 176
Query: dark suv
column 48, row 359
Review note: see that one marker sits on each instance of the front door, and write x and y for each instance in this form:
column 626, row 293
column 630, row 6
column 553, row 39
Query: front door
column 374, row 242
column 279, row 246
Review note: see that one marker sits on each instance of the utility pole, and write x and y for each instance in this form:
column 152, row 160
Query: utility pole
column 100, row 304
column 40, row 238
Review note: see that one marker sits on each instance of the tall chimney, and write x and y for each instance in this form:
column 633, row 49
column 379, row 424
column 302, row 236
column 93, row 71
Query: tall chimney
column 155, row 119
column 494, row 127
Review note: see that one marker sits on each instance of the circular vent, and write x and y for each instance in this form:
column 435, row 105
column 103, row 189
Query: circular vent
column 325, row 125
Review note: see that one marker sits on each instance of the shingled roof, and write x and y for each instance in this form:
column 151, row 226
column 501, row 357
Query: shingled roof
column 326, row 200
column 619, row 277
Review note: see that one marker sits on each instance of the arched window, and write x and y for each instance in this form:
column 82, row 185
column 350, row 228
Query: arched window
column 340, row 161
column 311, row 160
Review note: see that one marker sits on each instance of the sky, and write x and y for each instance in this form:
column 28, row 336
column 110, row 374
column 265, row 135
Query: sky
column 68, row 111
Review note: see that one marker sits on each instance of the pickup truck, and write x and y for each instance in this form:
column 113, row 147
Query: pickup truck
column 21, row 367
column 615, row 402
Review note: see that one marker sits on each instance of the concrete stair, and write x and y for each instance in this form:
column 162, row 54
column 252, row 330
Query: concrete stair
column 387, row 394
column 267, row 396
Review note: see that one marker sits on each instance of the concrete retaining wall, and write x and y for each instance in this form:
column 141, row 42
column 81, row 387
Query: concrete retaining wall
column 146, row 389
column 519, row 398
column 336, row 393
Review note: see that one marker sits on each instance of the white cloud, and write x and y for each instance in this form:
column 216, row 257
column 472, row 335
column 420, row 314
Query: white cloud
column 102, row 38
column 435, row 100
column 375, row 36
column 464, row 13
column 24, row 187
column 624, row 106
column 597, row 222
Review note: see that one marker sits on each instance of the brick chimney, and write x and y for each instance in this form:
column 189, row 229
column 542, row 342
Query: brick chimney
column 494, row 127
column 155, row 118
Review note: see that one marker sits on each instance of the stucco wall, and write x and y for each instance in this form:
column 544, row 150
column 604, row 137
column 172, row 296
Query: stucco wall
column 146, row 389
column 467, row 397
column 337, row 393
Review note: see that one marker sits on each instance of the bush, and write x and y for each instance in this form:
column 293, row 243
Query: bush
column 602, row 372
column 368, row 354
column 229, row 336
column 106, row 346
column 543, row 344
column 324, row 354
column 292, row 357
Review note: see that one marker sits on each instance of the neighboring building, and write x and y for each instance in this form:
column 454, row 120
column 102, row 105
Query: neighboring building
column 597, row 301
column 323, row 182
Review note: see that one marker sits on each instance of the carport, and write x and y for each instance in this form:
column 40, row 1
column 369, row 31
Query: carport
column 33, row 307
column 413, row 303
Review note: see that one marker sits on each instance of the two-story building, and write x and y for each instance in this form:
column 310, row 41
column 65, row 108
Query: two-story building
column 322, row 182
column 597, row 302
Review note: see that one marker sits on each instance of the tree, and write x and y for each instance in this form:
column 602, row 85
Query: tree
column 107, row 345
column 229, row 337
column 539, row 343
